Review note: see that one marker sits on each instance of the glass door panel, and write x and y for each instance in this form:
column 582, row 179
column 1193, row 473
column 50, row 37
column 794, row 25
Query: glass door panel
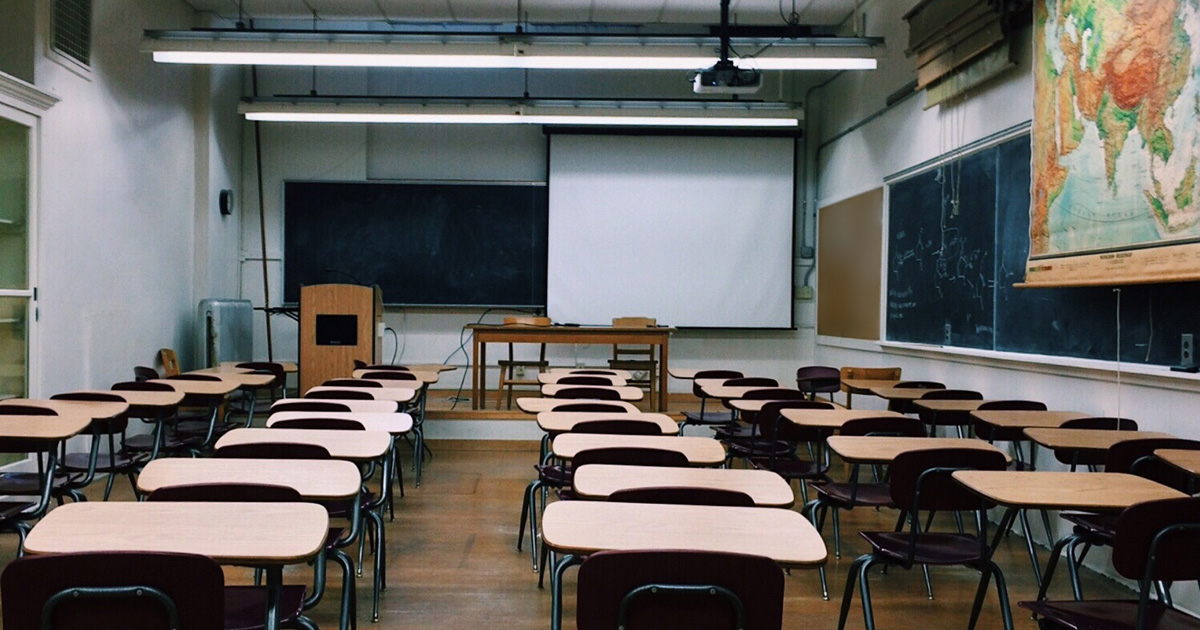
column 14, row 205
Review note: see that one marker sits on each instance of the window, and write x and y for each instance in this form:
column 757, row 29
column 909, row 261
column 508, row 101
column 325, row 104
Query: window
column 71, row 32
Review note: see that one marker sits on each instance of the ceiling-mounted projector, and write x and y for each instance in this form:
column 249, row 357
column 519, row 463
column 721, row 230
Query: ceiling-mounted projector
column 726, row 78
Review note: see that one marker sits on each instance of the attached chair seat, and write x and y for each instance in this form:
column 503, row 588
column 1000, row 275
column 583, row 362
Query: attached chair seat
column 932, row 548
column 28, row 483
column 840, row 494
column 244, row 605
column 554, row 476
column 120, row 462
column 1096, row 528
column 791, row 468
column 708, row 417
column 12, row 509
column 1109, row 615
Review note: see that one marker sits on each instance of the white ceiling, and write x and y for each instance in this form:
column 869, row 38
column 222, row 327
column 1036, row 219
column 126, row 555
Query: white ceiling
column 814, row 12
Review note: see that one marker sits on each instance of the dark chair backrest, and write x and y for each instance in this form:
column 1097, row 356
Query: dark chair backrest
column 683, row 496
column 342, row 394
column 308, row 405
column 772, row 425
column 1137, row 457
column 618, row 427
column 1012, row 405
column 382, row 367
column 273, row 450
column 775, row 393
column 227, row 493
column 193, row 585
column 359, row 364
column 143, row 373
column 1101, row 423
column 951, row 394
column 706, row 374
column 592, row 407
column 752, row 381
column 391, row 375
column 751, row 584
column 590, row 393
column 584, row 379
column 885, row 425
column 818, row 379
column 141, row 386
column 597, row 371
column 920, row 385
column 274, row 369
column 629, row 456
column 937, row 490
column 350, row 382
column 99, row 427
column 193, row 377
column 26, row 410
column 1175, row 556
column 323, row 424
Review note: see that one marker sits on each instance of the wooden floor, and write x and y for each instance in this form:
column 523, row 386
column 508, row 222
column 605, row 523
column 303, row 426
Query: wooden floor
column 453, row 564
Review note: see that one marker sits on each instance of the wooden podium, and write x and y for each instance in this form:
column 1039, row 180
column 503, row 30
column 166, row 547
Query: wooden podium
column 338, row 324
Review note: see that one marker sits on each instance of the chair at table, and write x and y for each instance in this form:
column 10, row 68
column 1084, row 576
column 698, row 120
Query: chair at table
column 920, row 483
column 336, row 539
column 933, row 421
column 777, row 446
column 1155, row 542
column 587, row 393
column 1014, row 435
column 586, row 380
column 1078, row 457
column 352, row 382
column 834, row 495
column 275, row 390
column 636, row 358
column 869, row 373
column 747, row 429
column 16, row 515
column 81, row 468
column 818, row 379
column 319, row 406
column 508, row 367
column 170, row 362
column 705, row 417
column 127, row 590
column 415, row 408
column 905, row 406
column 1134, row 457
column 143, row 373
column 669, row 590
column 342, row 394
column 381, row 367
column 211, row 426
column 244, row 604
column 671, row 495
column 591, row 407
column 162, row 440
column 748, row 381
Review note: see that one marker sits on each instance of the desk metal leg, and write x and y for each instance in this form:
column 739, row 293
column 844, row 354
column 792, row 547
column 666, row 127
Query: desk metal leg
column 475, row 385
column 556, row 588
column 274, row 589
column 662, row 376
column 1033, row 559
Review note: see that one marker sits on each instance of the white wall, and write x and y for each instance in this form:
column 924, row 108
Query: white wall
column 496, row 153
column 906, row 136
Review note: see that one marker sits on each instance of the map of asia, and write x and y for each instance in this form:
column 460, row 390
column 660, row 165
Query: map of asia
column 1116, row 142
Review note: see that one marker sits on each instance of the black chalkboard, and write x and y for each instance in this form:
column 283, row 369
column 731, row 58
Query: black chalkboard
column 951, row 275
column 435, row 244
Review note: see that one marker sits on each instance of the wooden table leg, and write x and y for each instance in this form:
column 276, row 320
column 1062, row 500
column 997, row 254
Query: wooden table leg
column 474, row 372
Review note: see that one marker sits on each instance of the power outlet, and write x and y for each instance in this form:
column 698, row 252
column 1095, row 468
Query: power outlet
column 1187, row 356
column 804, row 293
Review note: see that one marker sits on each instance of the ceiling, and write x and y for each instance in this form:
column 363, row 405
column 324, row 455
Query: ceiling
column 811, row 12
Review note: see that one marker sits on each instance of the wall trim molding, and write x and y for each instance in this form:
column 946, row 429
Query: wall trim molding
column 25, row 96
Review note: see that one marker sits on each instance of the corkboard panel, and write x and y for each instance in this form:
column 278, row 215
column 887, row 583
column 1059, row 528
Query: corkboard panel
column 849, row 244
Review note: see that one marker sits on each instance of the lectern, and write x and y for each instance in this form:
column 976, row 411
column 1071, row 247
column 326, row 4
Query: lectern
column 338, row 324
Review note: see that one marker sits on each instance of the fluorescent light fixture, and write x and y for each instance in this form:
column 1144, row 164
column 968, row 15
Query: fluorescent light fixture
column 673, row 115
column 288, row 49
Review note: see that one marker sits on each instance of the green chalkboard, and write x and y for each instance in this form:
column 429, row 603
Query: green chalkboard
column 958, row 239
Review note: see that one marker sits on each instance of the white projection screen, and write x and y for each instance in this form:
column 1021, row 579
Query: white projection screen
column 693, row 231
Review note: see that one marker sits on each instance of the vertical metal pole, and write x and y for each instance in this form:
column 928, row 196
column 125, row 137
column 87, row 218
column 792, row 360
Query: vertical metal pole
column 262, row 218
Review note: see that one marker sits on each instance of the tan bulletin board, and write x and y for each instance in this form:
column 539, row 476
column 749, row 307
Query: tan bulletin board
column 849, row 242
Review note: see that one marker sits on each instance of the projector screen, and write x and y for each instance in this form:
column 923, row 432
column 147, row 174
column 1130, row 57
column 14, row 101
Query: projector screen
column 693, row 231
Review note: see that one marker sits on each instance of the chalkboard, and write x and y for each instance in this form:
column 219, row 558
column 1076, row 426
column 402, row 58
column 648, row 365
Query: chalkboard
column 429, row 244
column 951, row 272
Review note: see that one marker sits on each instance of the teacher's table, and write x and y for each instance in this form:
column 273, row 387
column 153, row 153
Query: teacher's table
column 626, row 393
column 269, row 535
column 578, row 528
column 538, row 405
column 765, row 488
column 552, row 378
column 481, row 335
column 700, row 451
column 357, row 406
column 1058, row 490
column 854, row 386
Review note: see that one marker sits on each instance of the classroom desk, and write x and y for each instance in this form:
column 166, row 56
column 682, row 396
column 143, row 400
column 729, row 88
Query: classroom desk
column 314, row 479
column 626, row 393
column 1087, row 439
column 423, row 378
column 700, row 451
column 898, row 393
column 854, row 386
column 358, row 406
column 686, row 374
column 218, row 389
column 1057, row 490
column 938, row 412
column 592, row 371
column 146, row 405
column 396, row 424
column 269, row 535
column 49, row 428
column 765, row 488
column 93, row 410
column 854, row 449
column 832, row 419
column 394, row 394
column 1185, row 460
column 755, row 405
column 1015, row 422
column 481, row 335
column 565, row 421
column 552, row 378
column 578, row 528
column 288, row 366
column 538, row 405
column 712, row 388
column 355, row 446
